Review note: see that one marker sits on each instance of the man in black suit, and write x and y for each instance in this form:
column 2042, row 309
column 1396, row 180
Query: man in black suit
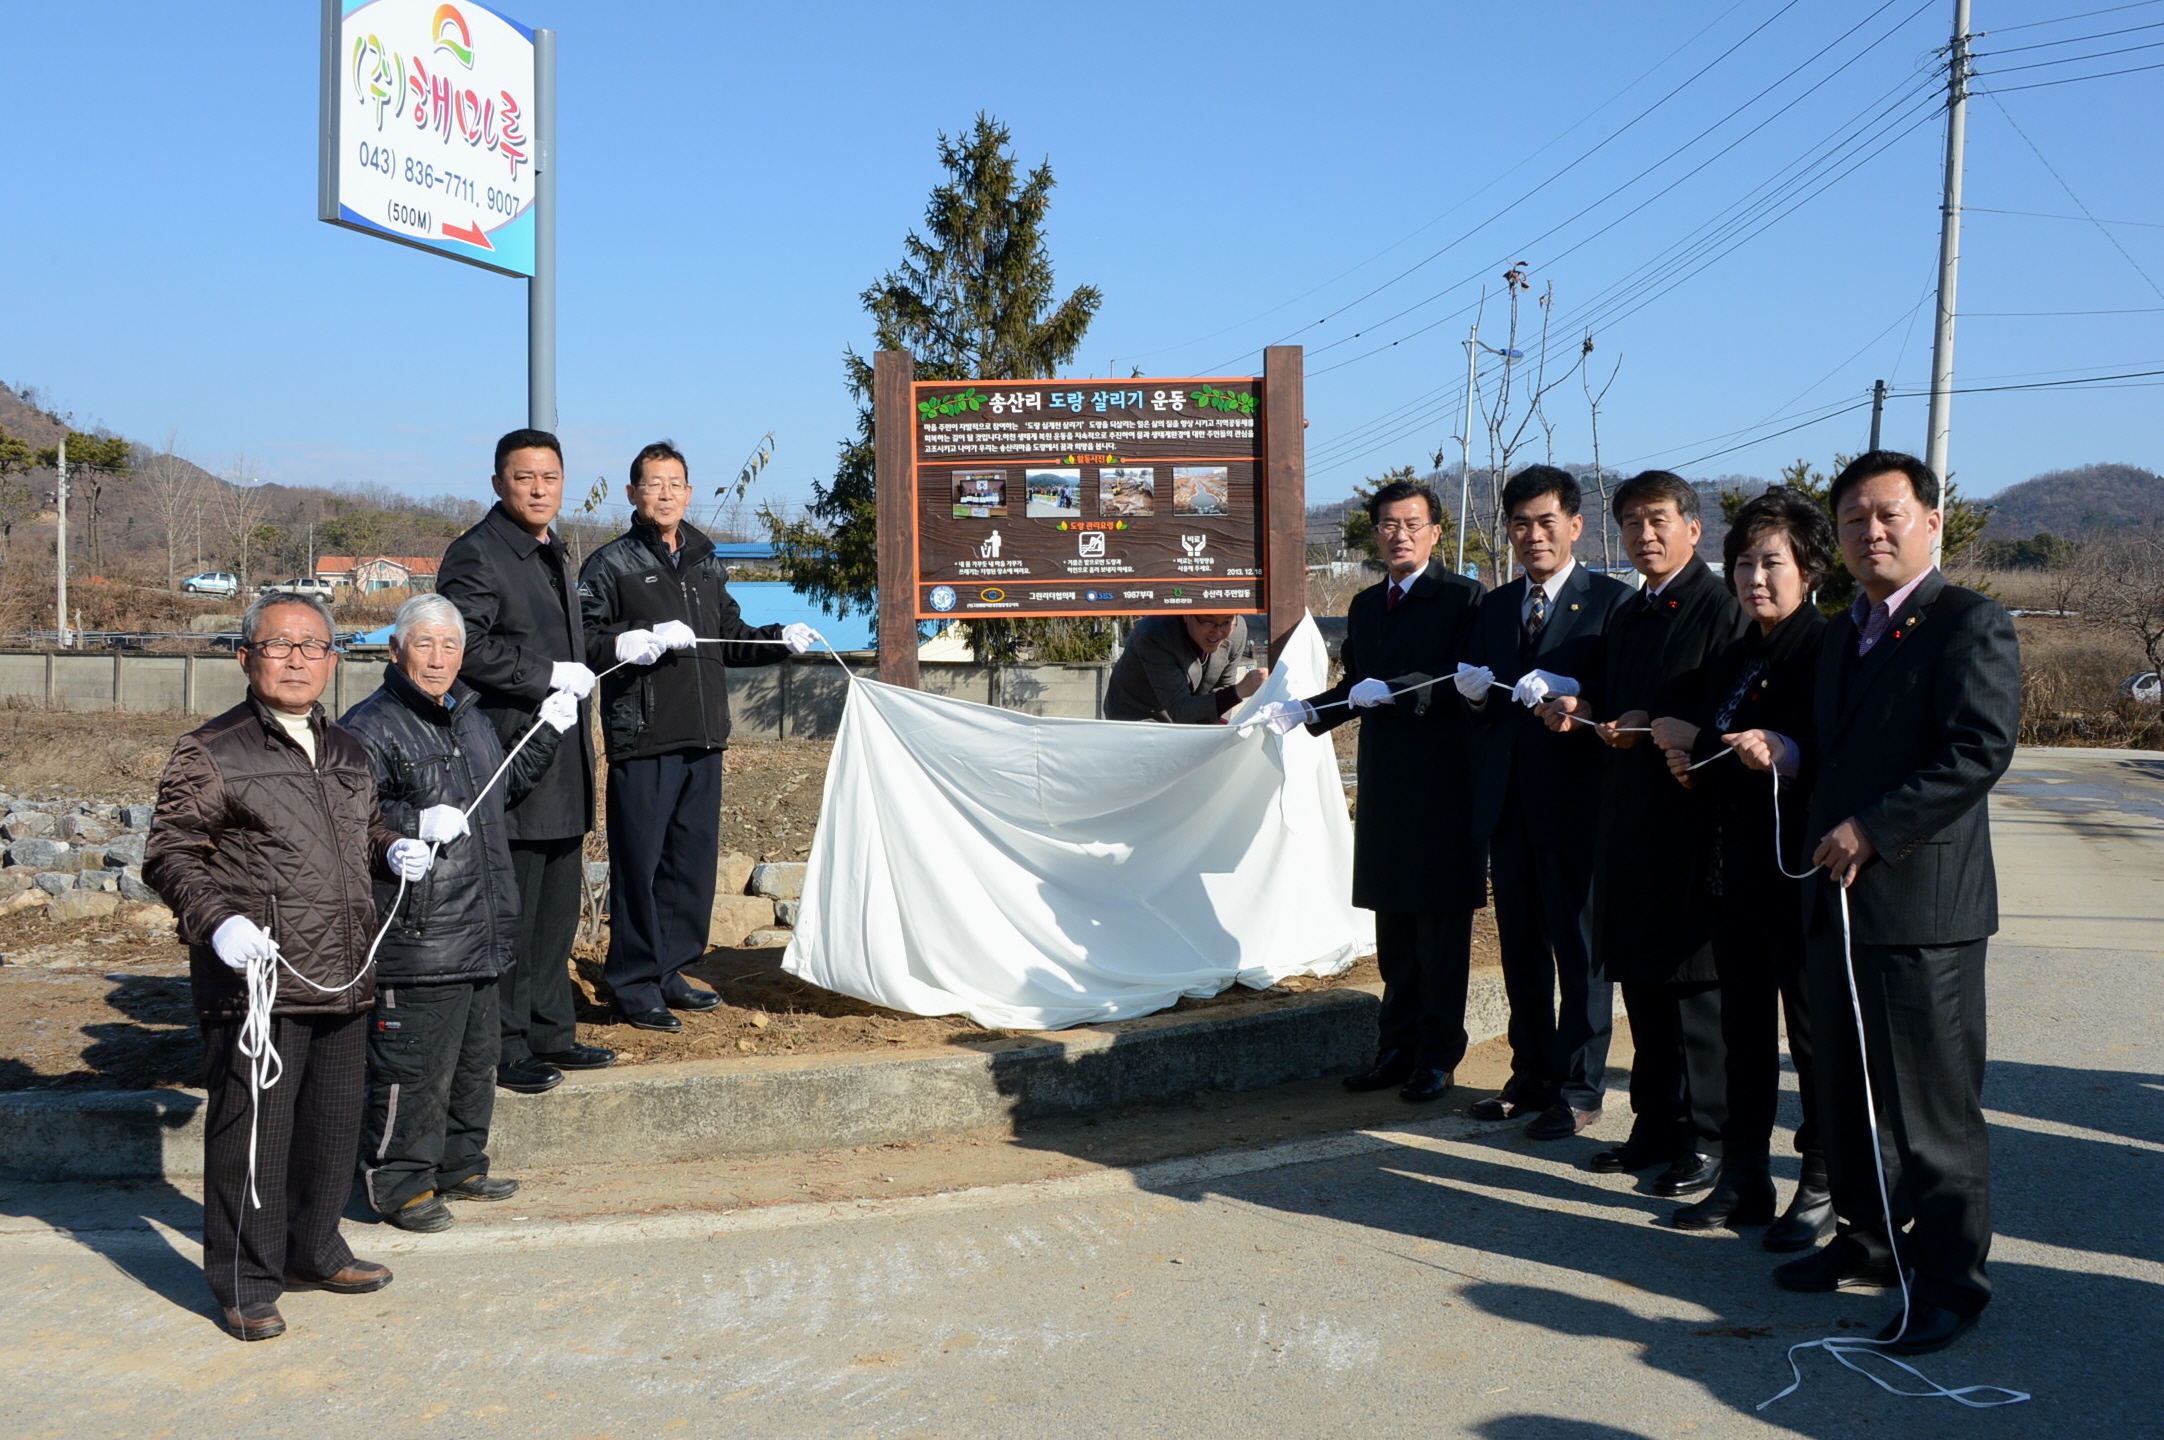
column 1529, row 789
column 1177, row 669
column 1652, row 919
column 1919, row 701
column 518, row 592
column 1416, row 862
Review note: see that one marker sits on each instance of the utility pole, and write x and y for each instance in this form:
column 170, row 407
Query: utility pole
column 1942, row 344
column 1465, row 444
column 1878, row 409
column 60, row 498
column 541, row 287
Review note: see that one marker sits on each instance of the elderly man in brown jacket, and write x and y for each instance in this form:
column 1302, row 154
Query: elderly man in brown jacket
column 263, row 844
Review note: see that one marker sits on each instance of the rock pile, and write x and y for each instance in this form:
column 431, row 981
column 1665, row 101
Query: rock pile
column 77, row 860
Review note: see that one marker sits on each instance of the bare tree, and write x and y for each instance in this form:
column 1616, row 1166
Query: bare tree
column 240, row 506
column 176, row 496
column 1593, row 399
column 1506, row 430
column 2126, row 588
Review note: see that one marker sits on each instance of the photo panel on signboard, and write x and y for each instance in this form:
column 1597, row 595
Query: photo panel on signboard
column 1201, row 490
column 980, row 494
column 1127, row 490
column 1053, row 494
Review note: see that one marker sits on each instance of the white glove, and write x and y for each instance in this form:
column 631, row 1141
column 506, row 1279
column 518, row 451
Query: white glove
column 1284, row 715
column 572, row 676
column 440, row 823
column 1538, row 685
column 676, row 635
column 559, row 712
column 636, row 647
column 800, row 638
column 240, row 940
column 1366, row 694
column 1474, row 681
column 410, row 858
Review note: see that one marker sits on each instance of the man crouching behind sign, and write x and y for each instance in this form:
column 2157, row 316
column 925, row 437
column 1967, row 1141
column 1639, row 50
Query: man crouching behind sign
column 1416, row 862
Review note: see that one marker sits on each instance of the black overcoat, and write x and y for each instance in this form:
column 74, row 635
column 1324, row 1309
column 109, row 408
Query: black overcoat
column 1516, row 759
column 1413, row 843
column 1652, row 918
column 1911, row 738
column 520, row 601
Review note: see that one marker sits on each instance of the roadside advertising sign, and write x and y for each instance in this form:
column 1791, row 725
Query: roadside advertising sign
column 1081, row 497
column 428, row 123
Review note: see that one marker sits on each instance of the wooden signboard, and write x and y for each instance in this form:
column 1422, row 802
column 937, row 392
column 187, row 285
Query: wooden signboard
column 1014, row 498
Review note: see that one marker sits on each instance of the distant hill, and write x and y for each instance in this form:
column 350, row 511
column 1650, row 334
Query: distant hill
column 2072, row 503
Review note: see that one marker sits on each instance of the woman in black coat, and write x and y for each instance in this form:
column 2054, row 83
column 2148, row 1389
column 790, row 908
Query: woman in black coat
column 434, row 1038
column 1758, row 704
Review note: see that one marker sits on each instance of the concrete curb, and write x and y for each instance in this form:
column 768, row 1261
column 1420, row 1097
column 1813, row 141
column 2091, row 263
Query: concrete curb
column 705, row 1109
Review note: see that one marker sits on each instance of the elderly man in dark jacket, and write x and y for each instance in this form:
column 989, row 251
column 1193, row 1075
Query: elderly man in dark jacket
column 264, row 839
column 433, row 1039
column 1416, row 862
column 1177, row 669
column 659, row 614
column 510, row 578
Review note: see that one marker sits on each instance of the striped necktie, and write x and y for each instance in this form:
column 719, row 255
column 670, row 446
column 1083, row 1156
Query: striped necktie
column 1539, row 614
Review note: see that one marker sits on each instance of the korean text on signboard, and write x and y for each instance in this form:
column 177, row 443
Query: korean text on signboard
column 1075, row 497
column 428, row 129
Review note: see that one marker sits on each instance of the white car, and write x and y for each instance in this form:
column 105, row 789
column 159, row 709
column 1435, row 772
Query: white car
column 211, row 582
column 2147, row 687
column 321, row 589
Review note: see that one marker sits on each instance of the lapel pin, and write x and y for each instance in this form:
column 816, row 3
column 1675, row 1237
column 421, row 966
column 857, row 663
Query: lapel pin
column 1574, row 607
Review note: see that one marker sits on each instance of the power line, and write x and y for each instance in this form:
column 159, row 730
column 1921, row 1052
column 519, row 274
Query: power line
column 2069, row 189
column 2042, row 314
column 2073, row 39
column 2041, row 215
column 2067, row 19
column 2071, row 59
column 2069, row 80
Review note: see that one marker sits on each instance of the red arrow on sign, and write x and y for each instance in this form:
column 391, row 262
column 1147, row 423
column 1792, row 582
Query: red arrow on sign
column 471, row 234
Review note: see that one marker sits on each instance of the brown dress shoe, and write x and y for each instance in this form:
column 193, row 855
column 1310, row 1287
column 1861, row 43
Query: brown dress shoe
column 259, row 1321
column 1559, row 1121
column 357, row 1278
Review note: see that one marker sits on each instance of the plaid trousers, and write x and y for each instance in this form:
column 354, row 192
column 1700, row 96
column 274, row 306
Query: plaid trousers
column 308, row 1127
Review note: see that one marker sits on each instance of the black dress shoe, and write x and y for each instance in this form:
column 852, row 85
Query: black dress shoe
column 480, row 1187
column 1560, row 1122
column 653, row 1020
column 1840, row 1265
column 694, row 1000
column 1425, row 1085
column 1391, row 1068
column 1744, row 1197
column 1808, row 1221
column 1689, row 1173
column 1630, row 1155
column 1505, row 1107
column 529, row 1076
column 424, row 1216
column 580, row 1057
column 1930, row 1327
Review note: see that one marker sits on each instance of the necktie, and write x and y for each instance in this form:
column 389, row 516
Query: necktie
column 1539, row 615
column 1390, row 601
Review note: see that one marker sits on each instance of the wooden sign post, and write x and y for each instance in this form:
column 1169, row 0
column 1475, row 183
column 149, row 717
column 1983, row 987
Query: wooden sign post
column 1284, row 497
column 894, row 461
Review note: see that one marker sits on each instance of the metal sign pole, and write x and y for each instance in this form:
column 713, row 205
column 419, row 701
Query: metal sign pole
column 60, row 498
column 541, row 287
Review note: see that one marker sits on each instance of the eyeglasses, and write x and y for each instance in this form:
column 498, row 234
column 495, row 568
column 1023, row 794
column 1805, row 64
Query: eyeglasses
column 280, row 649
column 1401, row 527
column 666, row 491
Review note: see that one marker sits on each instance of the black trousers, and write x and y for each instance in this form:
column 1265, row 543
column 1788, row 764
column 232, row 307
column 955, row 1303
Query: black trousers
column 306, row 1126
column 1426, row 958
column 1557, row 1051
column 1923, row 1011
column 1679, row 1079
column 1759, row 955
column 431, row 1089
column 534, row 999
column 664, row 827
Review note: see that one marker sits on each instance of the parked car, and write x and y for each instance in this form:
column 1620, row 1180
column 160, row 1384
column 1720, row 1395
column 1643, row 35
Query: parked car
column 211, row 582
column 321, row 589
column 2147, row 687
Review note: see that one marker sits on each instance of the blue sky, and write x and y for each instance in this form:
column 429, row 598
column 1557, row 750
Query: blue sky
column 732, row 176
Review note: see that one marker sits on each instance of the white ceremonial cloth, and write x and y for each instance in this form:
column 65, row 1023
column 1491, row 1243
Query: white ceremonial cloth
column 1035, row 873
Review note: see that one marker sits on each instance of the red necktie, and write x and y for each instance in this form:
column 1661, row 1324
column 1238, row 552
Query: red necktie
column 1390, row 601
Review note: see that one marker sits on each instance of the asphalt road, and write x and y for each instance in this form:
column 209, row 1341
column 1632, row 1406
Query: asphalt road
column 1435, row 1280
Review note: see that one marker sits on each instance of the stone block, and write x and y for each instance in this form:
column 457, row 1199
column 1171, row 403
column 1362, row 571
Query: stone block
column 736, row 916
column 132, row 887
column 597, row 875
column 31, row 899
column 779, row 880
column 732, row 872
column 54, row 882
column 16, row 879
column 82, row 905
column 137, row 817
column 125, row 850
column 785, row 912
column 152, row 916
column 28, row 825
column 80, row 828
column 763, row 939
column 37, row 852
column 106, row 880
